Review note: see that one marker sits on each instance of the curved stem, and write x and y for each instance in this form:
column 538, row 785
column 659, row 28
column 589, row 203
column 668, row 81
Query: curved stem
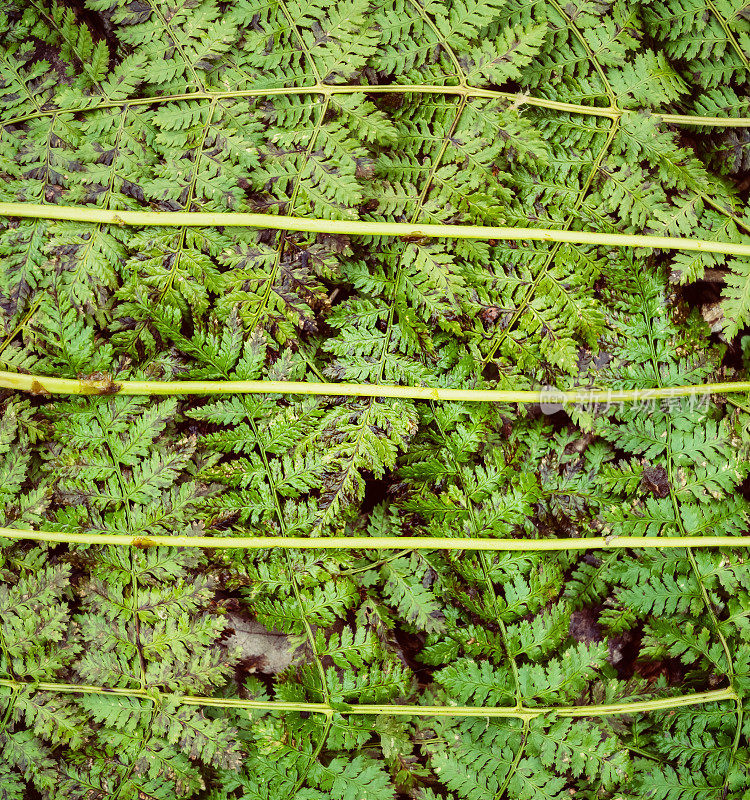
column 303, row 45
column 22, row 324
column 5, row 721
column 313, row 757
column 55, row 25
column 430, row 23
column 516, row 761
column 731, row 38
column 589, row 53
column 270, row 279
column 544, row 269
column 436, row 161
column 374, row 564
column 176, row 41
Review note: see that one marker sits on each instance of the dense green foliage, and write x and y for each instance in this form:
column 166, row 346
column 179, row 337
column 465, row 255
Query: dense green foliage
column 432, row 628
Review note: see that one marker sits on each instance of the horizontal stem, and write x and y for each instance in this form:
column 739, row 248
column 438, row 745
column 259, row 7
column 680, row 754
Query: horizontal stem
column 709, row 122
column 329, row 91
column 356, row 227
column 45, row 384
column 648, row 705
column 378, row 542
column 394, row 709
column 520, row 99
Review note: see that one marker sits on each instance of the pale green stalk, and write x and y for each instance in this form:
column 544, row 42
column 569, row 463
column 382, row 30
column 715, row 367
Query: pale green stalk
column 394, row 709
column 95, row 103
column 379, row 542
column 690, row 119
column 357, row 227
column 45, row 384
column 519, row 99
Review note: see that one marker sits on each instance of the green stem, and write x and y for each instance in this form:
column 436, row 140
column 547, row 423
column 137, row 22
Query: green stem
column 313, row 757
column 430, row 23
column 516, row 761
column 176, row 39
column 357, row 227
column 544, row 270
column 291, row 568
column 589, row 52
column 55, row 25
column 380, row 542
column 95, row 103
column 22, row 324
column 672, row 482
column 689, row 119
column 45, row 384
column 697, row 698
column 731, row 38
column 375, row 564
column 9, row 710
column 486, row 571
column 519, row 99
column 290, row 18
column 271, row 276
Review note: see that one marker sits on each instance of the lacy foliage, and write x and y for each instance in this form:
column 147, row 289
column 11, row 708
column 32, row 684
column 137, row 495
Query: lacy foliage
column 287, row 107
